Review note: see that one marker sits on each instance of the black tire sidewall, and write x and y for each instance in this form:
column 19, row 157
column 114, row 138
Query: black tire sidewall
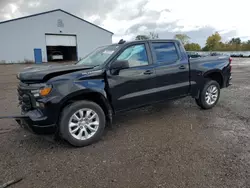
column 202, row 99
column 68, row 111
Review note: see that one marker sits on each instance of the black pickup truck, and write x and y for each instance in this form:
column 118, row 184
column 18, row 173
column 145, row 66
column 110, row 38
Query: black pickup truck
column 77, row 101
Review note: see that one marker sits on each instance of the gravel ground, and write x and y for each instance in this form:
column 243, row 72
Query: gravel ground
column 173, row 144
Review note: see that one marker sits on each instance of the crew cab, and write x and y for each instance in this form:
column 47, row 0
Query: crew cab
column 77, row 101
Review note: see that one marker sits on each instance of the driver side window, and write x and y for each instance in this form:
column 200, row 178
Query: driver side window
column 136, row 55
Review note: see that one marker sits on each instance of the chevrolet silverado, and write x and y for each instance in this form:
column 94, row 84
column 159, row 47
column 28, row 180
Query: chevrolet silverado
column 77, row 101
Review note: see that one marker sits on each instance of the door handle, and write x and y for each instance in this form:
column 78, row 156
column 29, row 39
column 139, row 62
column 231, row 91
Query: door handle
column 182, row 67
column 148, row 72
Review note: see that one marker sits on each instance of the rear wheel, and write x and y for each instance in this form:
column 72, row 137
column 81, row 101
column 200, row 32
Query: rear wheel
column 209, row 96
column 82, row 123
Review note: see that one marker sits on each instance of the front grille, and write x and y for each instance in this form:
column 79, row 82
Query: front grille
column 24, row 98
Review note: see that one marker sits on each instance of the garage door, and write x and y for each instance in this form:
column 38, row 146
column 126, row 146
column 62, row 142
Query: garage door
column 60, row 40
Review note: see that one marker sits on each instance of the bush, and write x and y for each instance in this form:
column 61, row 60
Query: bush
column 27, row 61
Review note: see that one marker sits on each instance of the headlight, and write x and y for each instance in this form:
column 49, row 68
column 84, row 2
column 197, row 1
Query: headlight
column 43, row 91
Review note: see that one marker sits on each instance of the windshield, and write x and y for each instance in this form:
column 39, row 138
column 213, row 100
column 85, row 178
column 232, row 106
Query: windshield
column 98, row 56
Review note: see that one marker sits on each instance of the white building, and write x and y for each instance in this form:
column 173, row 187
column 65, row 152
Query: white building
column 37, row 37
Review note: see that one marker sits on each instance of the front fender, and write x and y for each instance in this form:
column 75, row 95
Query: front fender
column 83, row 92
column 97, row 96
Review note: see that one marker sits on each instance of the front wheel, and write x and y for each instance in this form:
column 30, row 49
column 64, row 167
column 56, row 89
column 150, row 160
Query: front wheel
column 82, row 123
column 209, row 95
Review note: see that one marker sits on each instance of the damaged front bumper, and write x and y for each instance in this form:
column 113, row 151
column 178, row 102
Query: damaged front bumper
column 35, row 122
column 38, row 113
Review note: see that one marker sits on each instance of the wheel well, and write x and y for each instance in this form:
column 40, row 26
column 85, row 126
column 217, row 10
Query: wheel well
column 217, row 77
column 95, row 97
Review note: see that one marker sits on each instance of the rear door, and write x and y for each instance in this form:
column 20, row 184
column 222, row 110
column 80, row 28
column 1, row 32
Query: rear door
column 132, row 87
column 172, row 71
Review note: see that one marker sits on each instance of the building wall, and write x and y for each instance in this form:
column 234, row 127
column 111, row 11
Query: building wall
column 19, row 38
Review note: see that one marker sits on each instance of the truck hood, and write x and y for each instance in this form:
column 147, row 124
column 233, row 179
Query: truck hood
column 43, row 73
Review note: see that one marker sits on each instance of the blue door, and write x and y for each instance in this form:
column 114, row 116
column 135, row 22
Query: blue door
column 38, row 55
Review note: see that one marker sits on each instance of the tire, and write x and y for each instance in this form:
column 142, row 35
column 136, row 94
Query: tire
column 88, row 132
column 201, row 101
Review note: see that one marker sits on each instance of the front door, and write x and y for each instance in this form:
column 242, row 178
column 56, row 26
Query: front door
column 172, row 70
column 132, row 87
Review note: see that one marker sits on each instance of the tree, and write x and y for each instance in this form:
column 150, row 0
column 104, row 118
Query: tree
column 235, row 44
column 245, row 46
column 183, row 38
column 153, row 35
column 235, row 41
column 213, row 42
column 205, row 48
column 141, row 37
column 192, row 47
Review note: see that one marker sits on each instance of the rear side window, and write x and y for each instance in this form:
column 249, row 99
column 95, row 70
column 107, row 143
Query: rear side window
column 165, row 53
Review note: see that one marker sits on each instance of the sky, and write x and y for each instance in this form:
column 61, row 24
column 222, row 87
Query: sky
column 128, row 18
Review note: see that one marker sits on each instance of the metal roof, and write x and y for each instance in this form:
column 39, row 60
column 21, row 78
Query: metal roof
column 47, row 12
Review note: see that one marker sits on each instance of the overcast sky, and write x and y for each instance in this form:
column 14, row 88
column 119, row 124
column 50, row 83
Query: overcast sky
column 127, row 18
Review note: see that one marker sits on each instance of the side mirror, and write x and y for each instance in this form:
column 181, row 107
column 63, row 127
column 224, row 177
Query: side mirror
column 119, row 64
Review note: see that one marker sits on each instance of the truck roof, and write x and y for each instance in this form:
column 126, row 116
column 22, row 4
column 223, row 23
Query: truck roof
column 147, row 40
